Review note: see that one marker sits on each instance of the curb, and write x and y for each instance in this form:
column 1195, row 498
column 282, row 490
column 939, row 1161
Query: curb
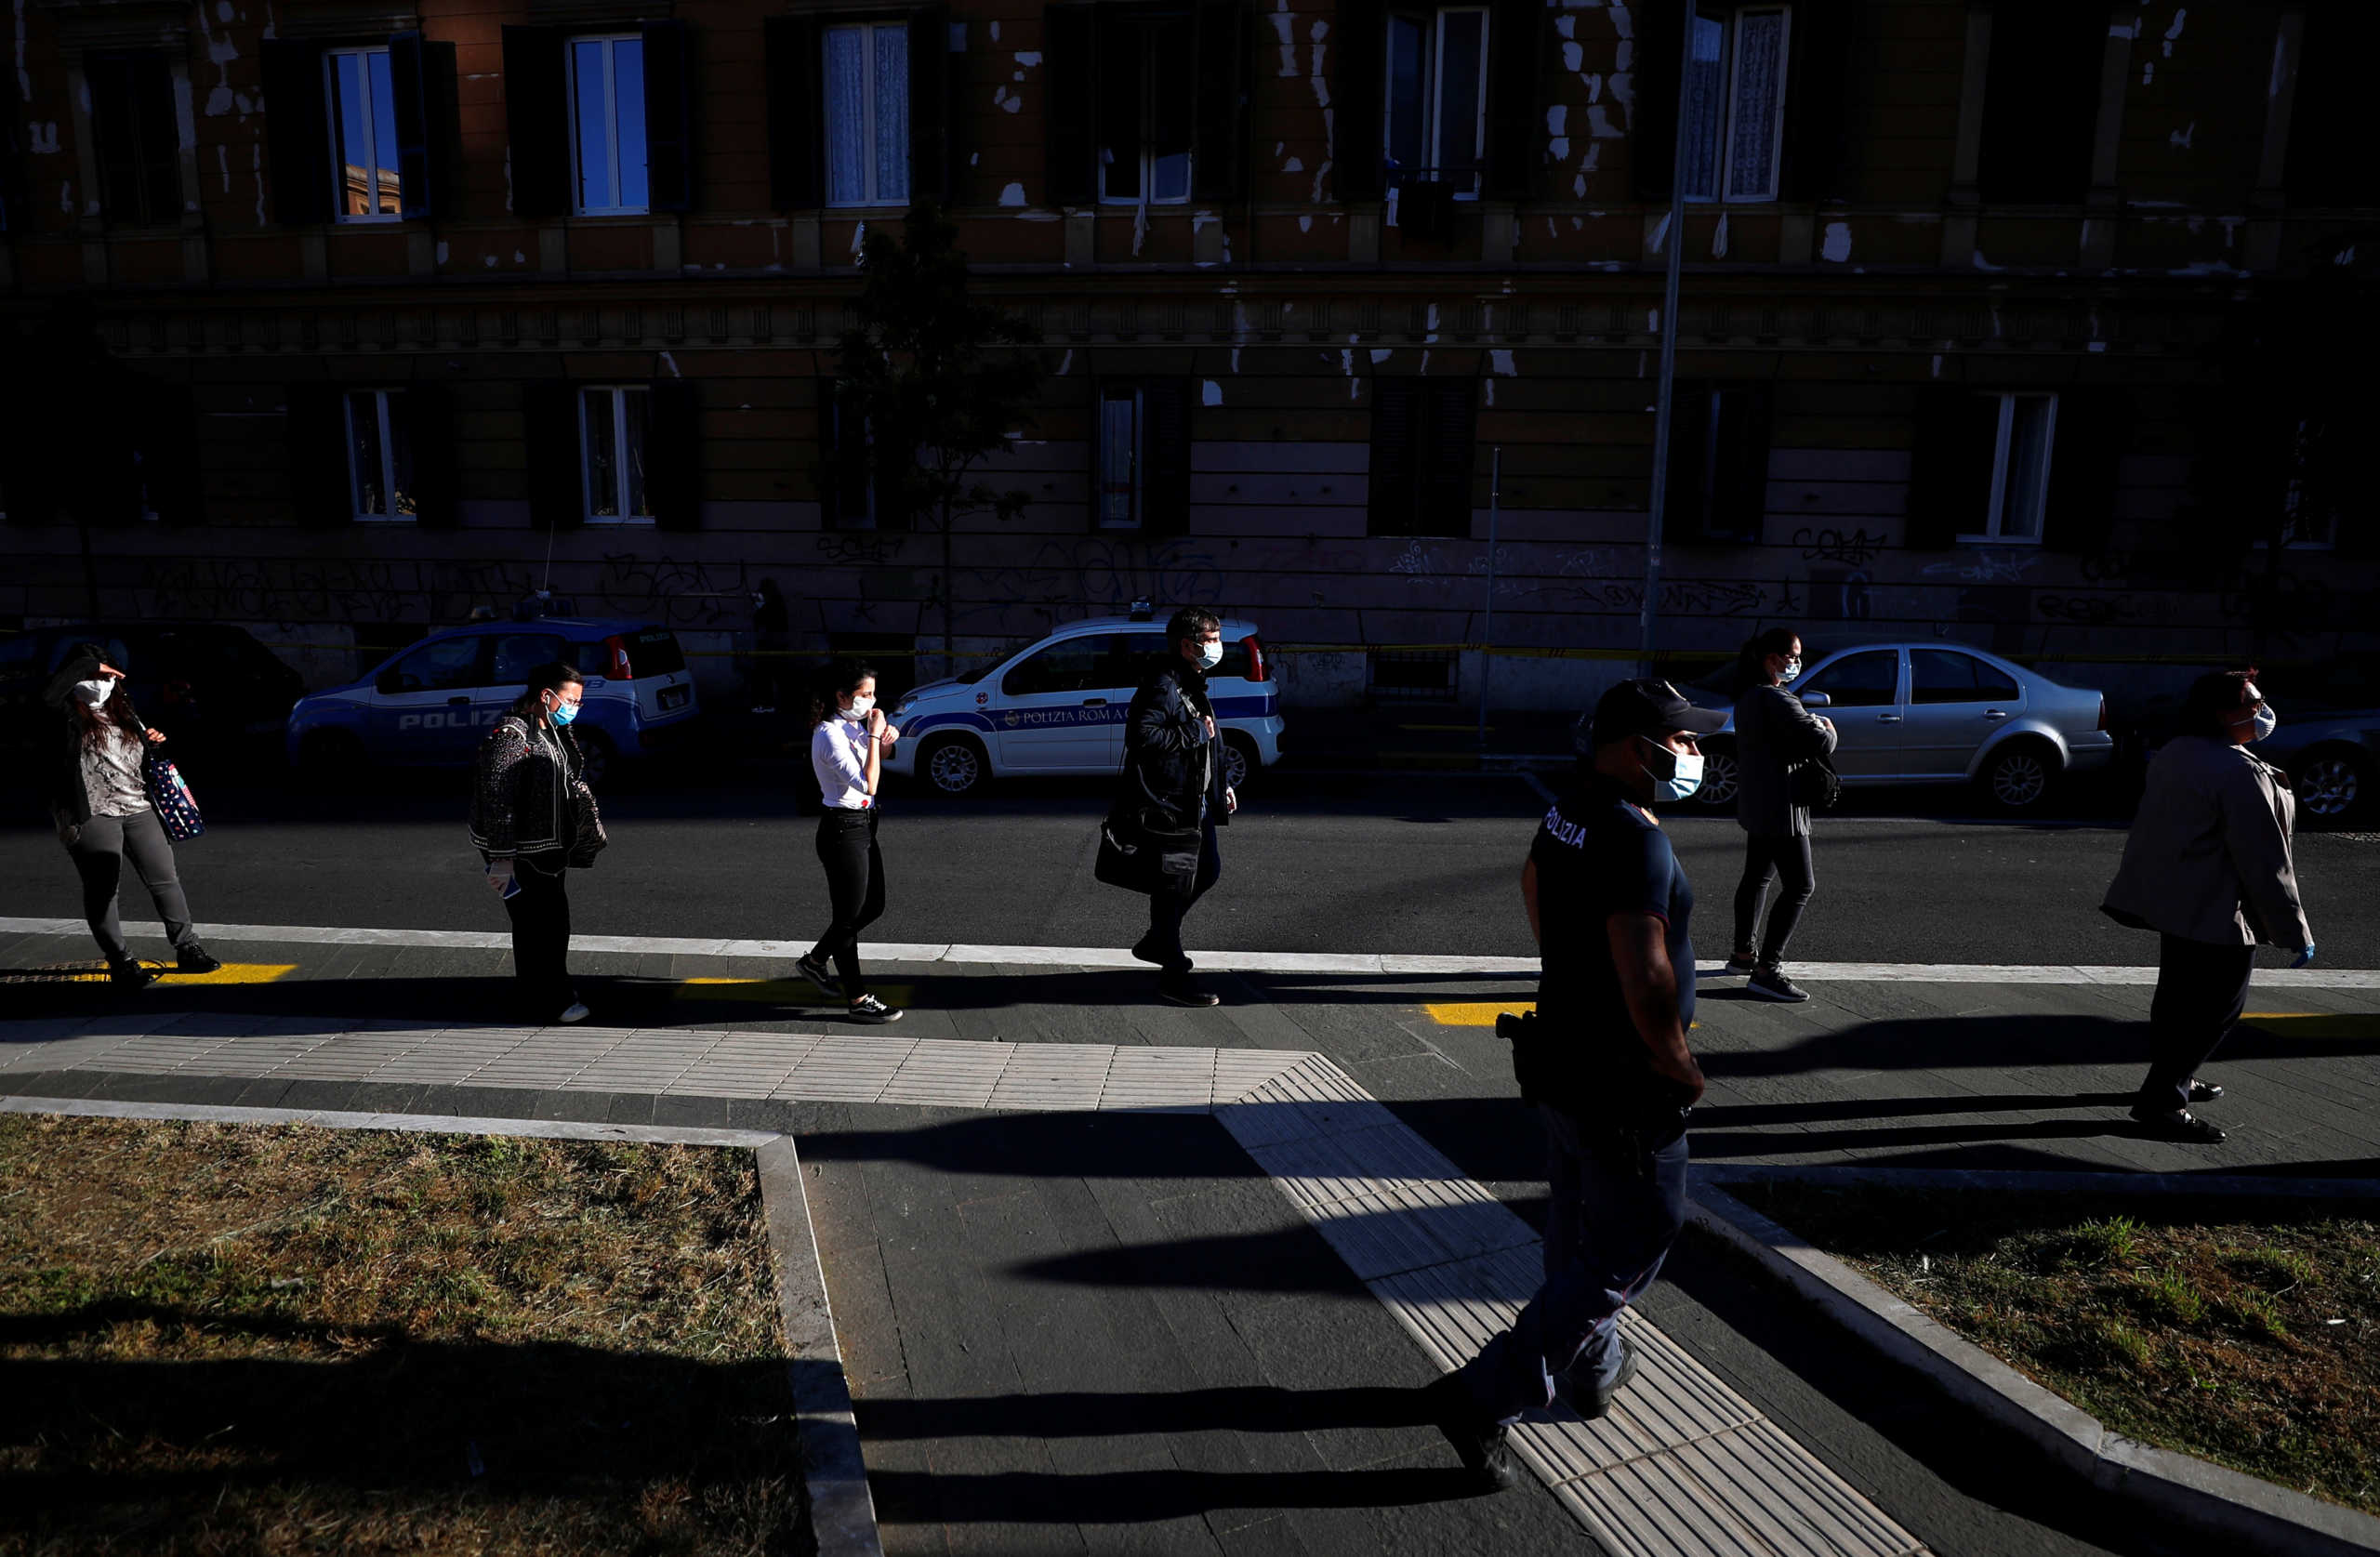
column 842, row 1513
column 2210, row 1500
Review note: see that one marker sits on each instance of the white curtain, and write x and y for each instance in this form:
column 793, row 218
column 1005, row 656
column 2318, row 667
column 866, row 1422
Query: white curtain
column 1703, row 91
column 891, row 113
column 846, row 115
column 1760, row 97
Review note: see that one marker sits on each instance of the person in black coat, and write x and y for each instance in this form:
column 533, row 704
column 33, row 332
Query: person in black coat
column 1773, row 734
column 1173, row 794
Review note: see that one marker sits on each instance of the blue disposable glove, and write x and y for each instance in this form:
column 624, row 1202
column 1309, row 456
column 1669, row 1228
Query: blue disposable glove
column 2305, row 957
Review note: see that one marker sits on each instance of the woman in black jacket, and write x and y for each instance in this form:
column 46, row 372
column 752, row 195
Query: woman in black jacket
column 533, row 819
column 1773, row 733
column 1173, row 792
column 99, row 799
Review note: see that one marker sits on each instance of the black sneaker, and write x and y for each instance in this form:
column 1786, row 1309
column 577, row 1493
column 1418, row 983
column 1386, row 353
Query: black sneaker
column 1597, row 1401
column 1485, row 1447
column 1770, row 984
column 131, row 972
column 818, row 974
column 194, row 958
column 1182, row 992
column 2204, row 1091
column 869, row 1008
column 1741, row 963
column 2179, row 1124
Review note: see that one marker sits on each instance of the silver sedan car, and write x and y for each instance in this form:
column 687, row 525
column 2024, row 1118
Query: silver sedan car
column 1939, row 713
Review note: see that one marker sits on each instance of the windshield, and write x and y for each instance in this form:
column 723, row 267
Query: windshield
column 969, row 677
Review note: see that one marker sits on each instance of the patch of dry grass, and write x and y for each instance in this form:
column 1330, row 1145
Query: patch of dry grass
column 2247, row 1333
column 237, row 1338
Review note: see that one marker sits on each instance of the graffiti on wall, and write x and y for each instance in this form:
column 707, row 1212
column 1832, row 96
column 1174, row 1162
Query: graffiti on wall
column 682, row 594
column 1857, row 549
column 1094, row 573
column 332, row 589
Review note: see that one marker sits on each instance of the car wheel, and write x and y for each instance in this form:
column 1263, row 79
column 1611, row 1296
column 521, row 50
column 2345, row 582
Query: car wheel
column 954, row 765
column 2332, row 787
column 2017, row 776
column 597, row 758
column 1722, row 777
column 1239, row 762
column 329, row 753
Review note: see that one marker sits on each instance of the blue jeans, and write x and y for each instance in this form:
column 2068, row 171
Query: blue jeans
column 1615, row 1205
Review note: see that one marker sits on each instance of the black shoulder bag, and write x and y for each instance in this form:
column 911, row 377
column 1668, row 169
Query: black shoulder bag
column 1813, row 783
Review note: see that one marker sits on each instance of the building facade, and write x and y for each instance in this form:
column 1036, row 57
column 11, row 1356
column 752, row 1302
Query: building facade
column 339, row 319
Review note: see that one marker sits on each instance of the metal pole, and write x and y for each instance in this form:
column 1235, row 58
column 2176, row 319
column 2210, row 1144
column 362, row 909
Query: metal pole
column 1661, row 417
column 1488, row 617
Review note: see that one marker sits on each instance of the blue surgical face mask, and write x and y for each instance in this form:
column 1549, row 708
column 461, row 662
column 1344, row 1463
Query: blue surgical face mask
column 2266, row 722
column 565, row 712
column 1684, row 774
column 1790, row 674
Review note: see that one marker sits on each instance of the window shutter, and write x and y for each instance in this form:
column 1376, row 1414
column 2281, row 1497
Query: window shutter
column 549, row 417
column 1115, row 52
column 1165, row 456
column 1652, row 128
column 429, row 410
column 1392, row 460
column 1070, row 99
column 537, row 119
column 669, row 114
column 29, row 473
column 1361, row 40
column 409, row 80
column 1739, row 499
column 100, row 448
column 796, row 124
column 297, row 131
column 1949, row 474
column 930, row 116
column 1686, row 503
column 1515, row 125
column 1816, row 90
column 2092, row 434
column 2040, row 100
column 2328, row 161
column 1449, row 440
column 674, row 455
column 170, row 451
column 158, row 156
column 1218, row 150
column 316, row 424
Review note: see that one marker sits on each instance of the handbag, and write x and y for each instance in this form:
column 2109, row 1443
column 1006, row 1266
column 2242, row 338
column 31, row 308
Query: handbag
column 587, row 837
column 1146, row 860
column 169, row 796
column 1813, row 783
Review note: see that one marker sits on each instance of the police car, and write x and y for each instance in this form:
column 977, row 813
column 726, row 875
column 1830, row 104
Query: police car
column 429, row 704
column 1058, row 706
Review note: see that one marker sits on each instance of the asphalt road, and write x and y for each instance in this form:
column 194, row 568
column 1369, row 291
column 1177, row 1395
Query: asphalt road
column 1322, row 862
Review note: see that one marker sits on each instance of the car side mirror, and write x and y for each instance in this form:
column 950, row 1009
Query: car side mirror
column 1815, row 700
column 389, row 683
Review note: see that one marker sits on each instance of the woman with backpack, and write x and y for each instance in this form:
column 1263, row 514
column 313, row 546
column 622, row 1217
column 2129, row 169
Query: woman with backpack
column 98, row 797
column 1774, row 732
column 532, row 821
column 848, row 742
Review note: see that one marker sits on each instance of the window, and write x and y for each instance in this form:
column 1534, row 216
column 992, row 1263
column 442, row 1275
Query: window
column 379, row 455
column 1146, row 106
column 518, row 654
column 1077, row 665
column 1421, row 456
column 612, row 424
column 1870, row 679
column 607, row 146
column 1120, row 422
column 1946, row 675
column 1436, row 122
column 2019, row 468
column 1718, row 485
column 448, row 665
column 1735, row 105
column 2309, row 499
column 868, row 113
column 364, row 133
column 139, row 141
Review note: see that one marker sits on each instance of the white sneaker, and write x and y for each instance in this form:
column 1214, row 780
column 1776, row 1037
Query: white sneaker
column 577, row 1012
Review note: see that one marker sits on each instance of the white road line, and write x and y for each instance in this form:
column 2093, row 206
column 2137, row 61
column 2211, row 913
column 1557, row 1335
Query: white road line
column 1220, row 962
column 1448, row 1259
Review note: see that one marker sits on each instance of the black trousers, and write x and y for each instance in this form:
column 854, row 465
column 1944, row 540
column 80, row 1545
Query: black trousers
column 541, row 913
column 1165, row 910
column 854, row 885
column 2201, row 989
column 1788, row 858
column 99, row 851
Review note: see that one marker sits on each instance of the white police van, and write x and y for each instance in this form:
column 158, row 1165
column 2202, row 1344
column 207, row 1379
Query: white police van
column 1058, row 706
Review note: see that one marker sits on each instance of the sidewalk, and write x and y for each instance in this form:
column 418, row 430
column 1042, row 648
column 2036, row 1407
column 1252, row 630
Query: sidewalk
column 1111, row 1274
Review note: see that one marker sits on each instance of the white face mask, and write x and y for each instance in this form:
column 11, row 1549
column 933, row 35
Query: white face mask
column 1790, row 674
column 2266, row 722
column 1210, row 655
column 1685, row 774
column 96, row 690
column 861, row 708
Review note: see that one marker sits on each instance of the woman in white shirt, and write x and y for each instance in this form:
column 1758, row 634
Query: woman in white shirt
column 848, row 740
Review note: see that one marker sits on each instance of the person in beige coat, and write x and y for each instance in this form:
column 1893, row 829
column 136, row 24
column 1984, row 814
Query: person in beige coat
column 2208, row 867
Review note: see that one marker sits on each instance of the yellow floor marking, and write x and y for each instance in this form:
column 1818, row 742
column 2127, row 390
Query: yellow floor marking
column 1474, row 1013
column 95, row 971
column 780, row 992
column 236, row 973
column 2318, row 1025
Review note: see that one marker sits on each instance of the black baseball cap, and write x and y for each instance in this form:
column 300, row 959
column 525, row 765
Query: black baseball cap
column 1649, row 709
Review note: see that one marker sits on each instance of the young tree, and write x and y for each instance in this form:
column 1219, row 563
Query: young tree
column 930, row 383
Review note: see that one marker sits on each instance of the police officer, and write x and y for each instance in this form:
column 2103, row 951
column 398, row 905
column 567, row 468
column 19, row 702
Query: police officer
column 1604, row 1060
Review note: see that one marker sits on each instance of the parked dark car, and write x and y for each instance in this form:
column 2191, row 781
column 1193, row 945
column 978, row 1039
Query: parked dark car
column 2329, row 737
column 213, row 689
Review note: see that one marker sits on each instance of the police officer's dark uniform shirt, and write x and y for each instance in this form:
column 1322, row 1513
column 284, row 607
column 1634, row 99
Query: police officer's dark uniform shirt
column 1597, row 855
